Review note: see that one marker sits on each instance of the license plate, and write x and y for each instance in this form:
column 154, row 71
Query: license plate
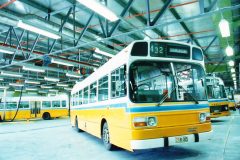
column 215, row 111
column 181, row 139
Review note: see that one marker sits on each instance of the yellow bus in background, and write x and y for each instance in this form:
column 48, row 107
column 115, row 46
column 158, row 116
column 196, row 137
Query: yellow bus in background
column 34, row 107
column 151, row 94
column 231, row 100
column 217, row 97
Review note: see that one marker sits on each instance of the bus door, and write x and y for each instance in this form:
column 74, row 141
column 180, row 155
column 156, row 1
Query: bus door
column 35, row 109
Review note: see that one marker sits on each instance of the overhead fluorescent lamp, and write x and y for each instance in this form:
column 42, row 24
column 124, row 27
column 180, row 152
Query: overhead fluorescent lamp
column 99, row 9
column 4, row 87
column 46, row 87
column 62, row 85
column 31, row 89
column 233, row 75
column 74, row 75
column 97, row 50
column 37, row 30
column 32, row 82
column 62, row 62
column 234, row 78
column 6, row 50
column 16, row 84
column 1, row 79
column 229, row 51
column 97, row 56
column 53, row 90
column 52, row 79
column 44, row 92
column 232, row 70
column 224, row 28
column 11, row 74
column 231, row 63
column 33, row 68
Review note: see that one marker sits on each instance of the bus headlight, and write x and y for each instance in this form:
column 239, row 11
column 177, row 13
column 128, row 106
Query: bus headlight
column 226, row 108
column 145, row 121
column 152, row 121
column 202, row 117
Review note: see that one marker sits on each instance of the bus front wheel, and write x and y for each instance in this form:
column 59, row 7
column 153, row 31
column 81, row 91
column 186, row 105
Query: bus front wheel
column 106, row 137
column 46, row 116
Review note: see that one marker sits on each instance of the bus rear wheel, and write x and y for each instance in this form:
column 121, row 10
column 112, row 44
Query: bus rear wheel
column 46, row 116
column 106, row 137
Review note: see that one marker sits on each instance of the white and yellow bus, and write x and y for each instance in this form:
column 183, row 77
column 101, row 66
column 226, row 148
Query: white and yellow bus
column 151, row 94
column 217, row 97
column 231, row 100
column 34, row 107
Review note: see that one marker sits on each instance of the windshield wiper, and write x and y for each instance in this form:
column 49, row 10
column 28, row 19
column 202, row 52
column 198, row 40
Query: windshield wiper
column 194, row 99
column 165, row 97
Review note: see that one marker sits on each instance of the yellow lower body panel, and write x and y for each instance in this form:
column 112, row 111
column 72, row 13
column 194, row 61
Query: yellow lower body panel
column 220, row 114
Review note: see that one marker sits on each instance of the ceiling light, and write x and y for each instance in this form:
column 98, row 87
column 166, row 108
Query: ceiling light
column 231, row 63
column 31, row 89
column 53, row 90
column 69, row 89
column 229, row 51
column 1, row 79
column 44, row 92
column 97, row 50
column 11, row 74
column 32, row 82
column 234, row 78
column 232, row 70
column 6, row 50
column 62, row 85
column 46, row 87
column 224, row 28
column 37, row 30
column 100, row 9
column 33, row 68
column 97, row 56
column 52, row 79
column 75, row 75
column 16, row 84
column 62, row 62
column 4, row 87
column 233, row 75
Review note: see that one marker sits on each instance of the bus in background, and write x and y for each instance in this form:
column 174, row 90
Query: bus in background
column 34, row 107
column 151, row 94
column 217, row 97
column 231, row 100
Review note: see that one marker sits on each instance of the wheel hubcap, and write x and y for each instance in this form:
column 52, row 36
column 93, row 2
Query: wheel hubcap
column 106, row 136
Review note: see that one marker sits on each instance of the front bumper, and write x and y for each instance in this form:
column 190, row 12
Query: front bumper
column 168, row 141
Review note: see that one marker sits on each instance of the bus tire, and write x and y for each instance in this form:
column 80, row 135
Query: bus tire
column 1, row 119
column 76, row 125
column 106, row 137
column 46, row 116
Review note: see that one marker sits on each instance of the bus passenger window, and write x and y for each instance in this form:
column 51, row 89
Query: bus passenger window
column 85, row 95
column 118, row 83
column 93, row 92
column 46, row 104
column 64, row 104
column 80, row 97
column 55, row 103
column 103, row 88
column 11, row 105
column 24, row 105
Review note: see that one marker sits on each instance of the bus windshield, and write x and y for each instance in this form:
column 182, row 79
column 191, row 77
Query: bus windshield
column 150, row 81
column 216, row 92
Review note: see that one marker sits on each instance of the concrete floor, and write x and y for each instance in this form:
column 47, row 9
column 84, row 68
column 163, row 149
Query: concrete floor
column 56, row 140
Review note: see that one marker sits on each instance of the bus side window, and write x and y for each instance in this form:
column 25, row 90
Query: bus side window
column 93, row 93
column 80, row 97
column 85, row 95
column 103, row 88
column 63, row 103
column 118, row 83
